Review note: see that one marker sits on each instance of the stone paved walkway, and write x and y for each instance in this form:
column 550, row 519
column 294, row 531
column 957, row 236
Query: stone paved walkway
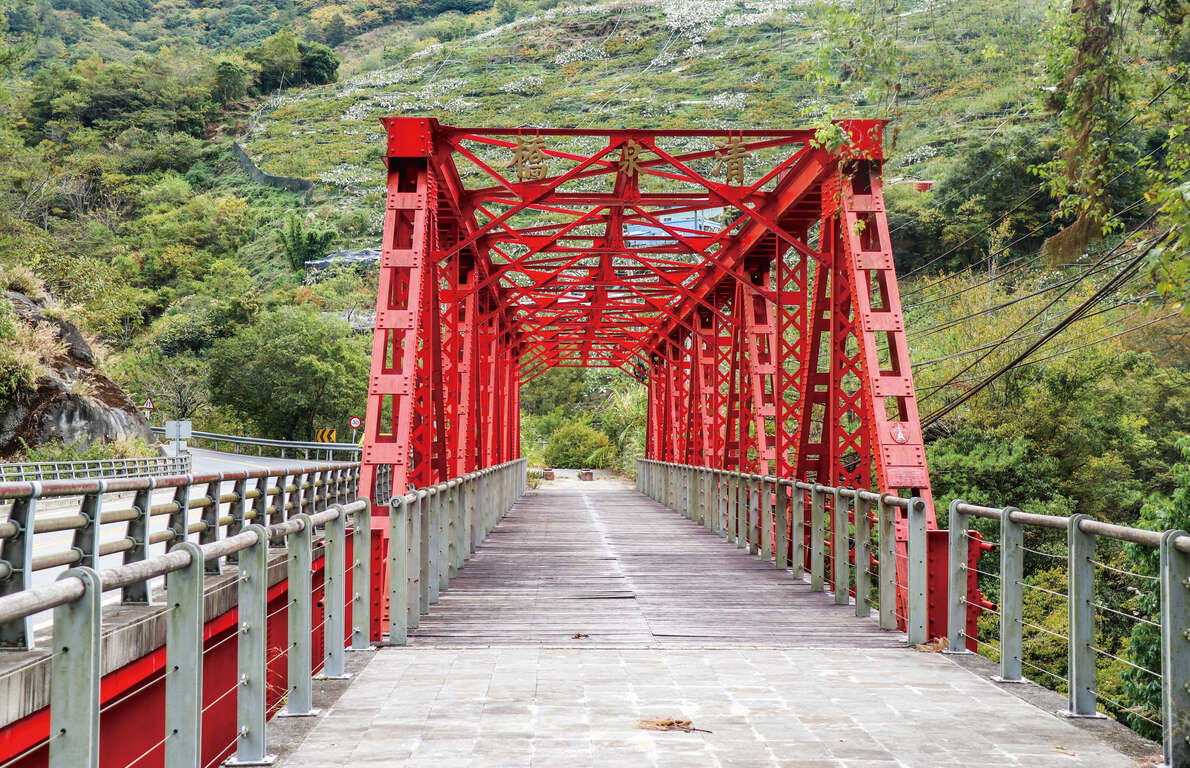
column 524, row 707
column 681, row 624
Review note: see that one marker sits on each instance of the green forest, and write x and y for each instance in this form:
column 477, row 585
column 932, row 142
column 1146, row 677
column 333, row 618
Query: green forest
column 1034, row 150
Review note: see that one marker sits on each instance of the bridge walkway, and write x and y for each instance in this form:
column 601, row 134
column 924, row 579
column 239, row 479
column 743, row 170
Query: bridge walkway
column 591, row 606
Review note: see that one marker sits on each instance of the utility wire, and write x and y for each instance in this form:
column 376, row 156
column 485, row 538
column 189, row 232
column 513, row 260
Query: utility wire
column 1093, row 270
column 1124, row 273
column 1071, row 350
column 1025, row 236
column 1039, row 312
column 1002, row 275
column 961, row 353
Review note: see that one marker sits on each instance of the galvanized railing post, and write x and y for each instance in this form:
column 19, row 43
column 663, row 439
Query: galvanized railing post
column 137, row 593
column 1012, row 566
column 706, row 496
column 840, row 550
column 300, row 615
column 74, row 676
column 462, row 543
column 238, row 508
column 956, row 605
column 863, row 557
column 443, row 538
column 334, row 596
column 738, row 526
column 179, row 516
column 279, row 512
column 183, row 659
column 260, row 504
column 886, row 553
column 361, row 580
column 425, row 551
column 17, row 552
column 818, row 538
column 413, row 561
column 433, row 552
column 479, row 528
column 467, row 488
column 1175, row 650
column 767, row 523
column 781, row 544
column 252, row 592
column 754, row 514
column 86, row 538
column 1080, row 594
column 798, row 531
column 398, row 588
column 733, row 506
column 452, row 529
column 210, row 518
column 918, row 573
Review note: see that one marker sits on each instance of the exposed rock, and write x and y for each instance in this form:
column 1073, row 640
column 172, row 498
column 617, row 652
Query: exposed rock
column 76, row 402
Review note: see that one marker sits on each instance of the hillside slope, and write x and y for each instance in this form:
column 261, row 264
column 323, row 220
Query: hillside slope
column 967, row 71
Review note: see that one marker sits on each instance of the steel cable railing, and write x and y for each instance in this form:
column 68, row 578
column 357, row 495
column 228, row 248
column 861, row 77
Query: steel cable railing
column 303, row 501
column 1083, row 611
column 721, row 499
column 806, row 528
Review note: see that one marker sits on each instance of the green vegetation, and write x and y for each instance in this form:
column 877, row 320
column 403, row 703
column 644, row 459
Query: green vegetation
column 577, row 445
column 58, row 452
column 290, row 370
column 1042, row 154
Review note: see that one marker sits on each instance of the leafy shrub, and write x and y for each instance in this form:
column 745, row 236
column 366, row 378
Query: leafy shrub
column 21, row 279
column 301, row 244
column 24, row 350
column 576, row 446
column 78, row 450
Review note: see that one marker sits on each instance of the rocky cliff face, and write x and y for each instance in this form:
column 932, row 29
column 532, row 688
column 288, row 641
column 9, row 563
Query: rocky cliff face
column 75, row 402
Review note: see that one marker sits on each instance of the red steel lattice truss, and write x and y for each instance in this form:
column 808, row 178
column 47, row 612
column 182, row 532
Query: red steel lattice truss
column 771, row 340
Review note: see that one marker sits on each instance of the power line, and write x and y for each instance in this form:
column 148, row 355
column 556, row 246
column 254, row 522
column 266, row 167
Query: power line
column 1124, row 273
column 1092, row 270
column 1019, row 264
column 1069, row 350
column 934, row 360
column 1038, row 313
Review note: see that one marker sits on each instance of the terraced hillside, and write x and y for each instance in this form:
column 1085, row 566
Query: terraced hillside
column 945, row 74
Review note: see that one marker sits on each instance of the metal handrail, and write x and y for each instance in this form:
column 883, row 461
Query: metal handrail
column 256, row 496
column 730, row 502
column 445, row 522
column 95, row 468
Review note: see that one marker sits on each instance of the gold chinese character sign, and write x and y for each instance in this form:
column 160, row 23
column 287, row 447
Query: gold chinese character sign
column 730, row 154
column 529, row 156
column 630, row 161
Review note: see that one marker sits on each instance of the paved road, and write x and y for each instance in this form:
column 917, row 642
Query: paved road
column 591, row 607
column 206, row 461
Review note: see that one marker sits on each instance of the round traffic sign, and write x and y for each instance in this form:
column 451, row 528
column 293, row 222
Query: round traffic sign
column 355, row 422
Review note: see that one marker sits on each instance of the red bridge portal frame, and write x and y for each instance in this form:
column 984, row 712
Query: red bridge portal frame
column 746, row 277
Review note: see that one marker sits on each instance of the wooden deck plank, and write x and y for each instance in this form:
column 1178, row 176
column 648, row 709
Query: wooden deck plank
column 600, row 559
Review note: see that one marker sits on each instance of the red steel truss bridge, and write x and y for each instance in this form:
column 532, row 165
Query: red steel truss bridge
column 746, row 277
